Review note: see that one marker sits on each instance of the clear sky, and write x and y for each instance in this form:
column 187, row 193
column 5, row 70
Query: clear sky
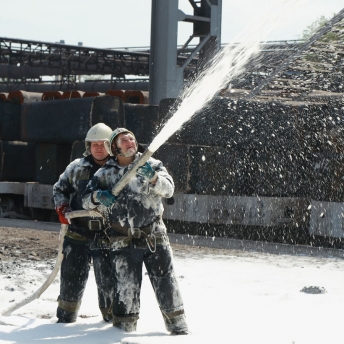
column 126, row 23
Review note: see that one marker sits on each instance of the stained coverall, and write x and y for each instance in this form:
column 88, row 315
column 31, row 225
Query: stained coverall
column 138, row 236
column 81, row 246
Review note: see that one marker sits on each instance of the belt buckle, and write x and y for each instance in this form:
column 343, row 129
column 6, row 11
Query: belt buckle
column 94, row 225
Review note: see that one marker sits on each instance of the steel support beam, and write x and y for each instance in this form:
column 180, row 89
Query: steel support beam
column 166, row 75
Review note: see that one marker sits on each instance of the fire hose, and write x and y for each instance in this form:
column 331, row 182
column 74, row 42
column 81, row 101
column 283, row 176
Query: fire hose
column 46, row 284
column 74, row 214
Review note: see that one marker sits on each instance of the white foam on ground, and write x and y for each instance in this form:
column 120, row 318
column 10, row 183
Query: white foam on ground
column 238, row 297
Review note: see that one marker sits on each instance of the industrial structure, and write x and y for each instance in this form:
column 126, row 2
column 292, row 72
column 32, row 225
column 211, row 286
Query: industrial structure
column 263, row 161
column 25, row 62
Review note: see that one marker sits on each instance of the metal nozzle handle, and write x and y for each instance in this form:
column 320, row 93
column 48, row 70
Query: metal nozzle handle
column 130, row 174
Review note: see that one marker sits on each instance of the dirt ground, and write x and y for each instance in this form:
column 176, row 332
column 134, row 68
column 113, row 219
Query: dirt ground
column 40, row 245
column 27, row 244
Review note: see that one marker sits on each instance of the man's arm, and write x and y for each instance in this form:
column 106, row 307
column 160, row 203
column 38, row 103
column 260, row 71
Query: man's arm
column 162, row 183
column 96, row 194
column 163, row 186
column 62, row 190
column 88, row 202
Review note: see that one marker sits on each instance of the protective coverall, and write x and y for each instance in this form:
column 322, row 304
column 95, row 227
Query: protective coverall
column 138, row 236
column 81, row 245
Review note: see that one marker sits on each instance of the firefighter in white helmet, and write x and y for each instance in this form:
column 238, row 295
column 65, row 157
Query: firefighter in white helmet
column 137, row 233
column 81, row 241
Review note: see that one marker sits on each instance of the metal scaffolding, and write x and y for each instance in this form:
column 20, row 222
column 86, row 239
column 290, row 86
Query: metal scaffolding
column 27, row 61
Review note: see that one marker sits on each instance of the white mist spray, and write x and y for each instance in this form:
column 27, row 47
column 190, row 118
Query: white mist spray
column 219, row 71
column 224, row 67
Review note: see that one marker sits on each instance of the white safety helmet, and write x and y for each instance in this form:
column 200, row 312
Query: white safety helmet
column 118, row 131
column 115, row 134
column 99, row 132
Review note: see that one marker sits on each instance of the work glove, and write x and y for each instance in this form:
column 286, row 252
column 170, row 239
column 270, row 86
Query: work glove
column 147, row 172
column 61, row 211
column 104, row 197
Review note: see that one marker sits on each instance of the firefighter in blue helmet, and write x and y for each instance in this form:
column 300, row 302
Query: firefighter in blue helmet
column 138, row 233
column 81, row 240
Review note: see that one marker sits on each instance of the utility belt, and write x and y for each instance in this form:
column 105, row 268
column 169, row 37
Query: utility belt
column 117, row 242
column 120, row 236
column 117, row 229
column 91, row 224
column 114, row 237
column 84, row 230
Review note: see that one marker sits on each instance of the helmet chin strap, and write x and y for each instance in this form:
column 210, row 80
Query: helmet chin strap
column 101, row 159
column 119, row 152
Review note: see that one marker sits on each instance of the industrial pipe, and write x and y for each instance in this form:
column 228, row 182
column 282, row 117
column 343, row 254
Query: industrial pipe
column 72, row 94
column 97, row 86
column 135, row 97
column 51, row 95
column 116, row 93
column 92, row 94
column 3, row 96
column 21, row 97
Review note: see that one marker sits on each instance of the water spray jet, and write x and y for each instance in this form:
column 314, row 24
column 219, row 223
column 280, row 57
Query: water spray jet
column 227, row 64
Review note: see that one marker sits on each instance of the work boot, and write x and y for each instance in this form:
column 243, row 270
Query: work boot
column 128, row 324
column 106, row 313
column 179, row 333
column 65, row 316
column 67, row 311
column 175, row 323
